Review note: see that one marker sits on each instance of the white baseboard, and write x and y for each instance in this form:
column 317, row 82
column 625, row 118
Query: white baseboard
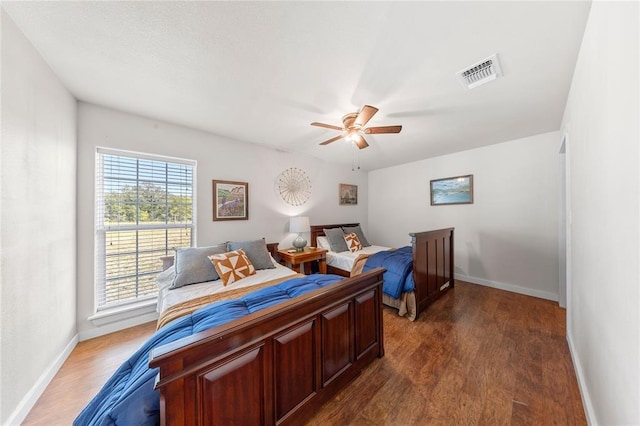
column 117, row 326
column 584, row 390
column 509, row 287
column 30, row 399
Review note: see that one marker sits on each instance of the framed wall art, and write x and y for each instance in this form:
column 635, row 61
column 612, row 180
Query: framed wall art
column 453, row 190
column 348, row 194
column 230, row 200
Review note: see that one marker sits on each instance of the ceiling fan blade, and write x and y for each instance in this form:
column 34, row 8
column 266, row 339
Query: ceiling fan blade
column 382, row 129
column 332, row 139
column 361, row 142
column 365, row 115
column 327, row 126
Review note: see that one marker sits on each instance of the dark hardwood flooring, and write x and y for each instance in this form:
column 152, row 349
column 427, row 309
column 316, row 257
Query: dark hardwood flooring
column 477, row 356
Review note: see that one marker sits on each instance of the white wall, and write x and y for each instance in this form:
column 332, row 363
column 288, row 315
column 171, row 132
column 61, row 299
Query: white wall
column 508, row 238
column 37, row 223
column 218, row 158
column 602, row 119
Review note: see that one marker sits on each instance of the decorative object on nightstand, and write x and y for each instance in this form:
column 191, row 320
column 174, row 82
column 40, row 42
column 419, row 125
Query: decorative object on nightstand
column 298, row 225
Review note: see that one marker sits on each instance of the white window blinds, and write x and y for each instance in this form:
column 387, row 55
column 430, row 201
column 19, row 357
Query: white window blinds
column 145, row 208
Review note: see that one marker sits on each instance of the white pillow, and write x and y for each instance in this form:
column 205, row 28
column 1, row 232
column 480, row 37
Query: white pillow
column 323, row 242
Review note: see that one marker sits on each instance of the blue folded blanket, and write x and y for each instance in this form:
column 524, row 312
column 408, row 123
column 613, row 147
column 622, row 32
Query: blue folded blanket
column 399, row 265
column 128, row 397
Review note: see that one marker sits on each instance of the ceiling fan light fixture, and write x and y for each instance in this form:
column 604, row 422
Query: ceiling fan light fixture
column 353, row 127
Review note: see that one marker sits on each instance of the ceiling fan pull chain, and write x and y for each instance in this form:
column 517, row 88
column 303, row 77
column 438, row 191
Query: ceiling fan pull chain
column 355, row 163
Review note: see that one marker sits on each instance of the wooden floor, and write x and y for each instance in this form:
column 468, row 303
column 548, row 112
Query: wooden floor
column 84, row 373
column 477, row 356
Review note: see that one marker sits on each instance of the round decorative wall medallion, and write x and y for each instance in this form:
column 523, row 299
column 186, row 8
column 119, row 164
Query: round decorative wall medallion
column 294, row 186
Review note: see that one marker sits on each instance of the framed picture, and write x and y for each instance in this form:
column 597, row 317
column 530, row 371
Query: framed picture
column 348, row 194
column 453, row 190
column 230, row 200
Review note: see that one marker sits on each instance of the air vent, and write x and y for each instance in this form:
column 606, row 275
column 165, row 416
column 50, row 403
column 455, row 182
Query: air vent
column 480, row 73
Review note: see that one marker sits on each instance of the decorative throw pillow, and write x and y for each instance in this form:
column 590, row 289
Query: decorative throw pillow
column 336, row 239
column 353, row 242
column 192, row 265
column 256, row 251
column 232, row 266
column 359, row 233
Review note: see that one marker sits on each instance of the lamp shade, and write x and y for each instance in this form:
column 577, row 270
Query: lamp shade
column 299, row 224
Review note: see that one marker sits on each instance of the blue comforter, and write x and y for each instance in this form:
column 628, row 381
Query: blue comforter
column 399, row 265
column 128, row 397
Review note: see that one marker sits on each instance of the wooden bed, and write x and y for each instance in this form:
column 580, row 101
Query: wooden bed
column 433, row 265
column 276, row 366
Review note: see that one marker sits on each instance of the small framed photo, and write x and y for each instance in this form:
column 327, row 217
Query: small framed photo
column 230, row 200
column 348, row 194
column 453, row 190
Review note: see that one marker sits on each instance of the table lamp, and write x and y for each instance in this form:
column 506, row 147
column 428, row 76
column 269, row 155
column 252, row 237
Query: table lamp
column 298, row 225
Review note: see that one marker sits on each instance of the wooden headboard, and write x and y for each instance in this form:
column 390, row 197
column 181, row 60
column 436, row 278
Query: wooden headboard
column 318, row 231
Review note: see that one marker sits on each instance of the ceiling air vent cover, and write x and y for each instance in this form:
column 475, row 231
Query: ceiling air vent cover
column 480, row 73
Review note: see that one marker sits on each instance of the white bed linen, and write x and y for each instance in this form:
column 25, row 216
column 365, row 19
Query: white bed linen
column 168, row 297
column 345, row 259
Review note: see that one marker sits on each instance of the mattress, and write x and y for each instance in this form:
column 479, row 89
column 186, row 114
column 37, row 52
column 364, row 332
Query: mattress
column 168, row 297
column 345, row 259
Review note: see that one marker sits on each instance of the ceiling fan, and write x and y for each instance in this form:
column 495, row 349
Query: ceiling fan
column 353, row 127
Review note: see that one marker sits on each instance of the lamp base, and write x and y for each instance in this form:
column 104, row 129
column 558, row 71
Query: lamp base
column 299, row 243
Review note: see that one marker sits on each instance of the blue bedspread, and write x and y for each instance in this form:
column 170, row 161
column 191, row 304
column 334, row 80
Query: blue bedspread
column 128, row 397
column 399, row 265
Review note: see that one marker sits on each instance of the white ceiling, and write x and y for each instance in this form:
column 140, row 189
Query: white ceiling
column 260, row 72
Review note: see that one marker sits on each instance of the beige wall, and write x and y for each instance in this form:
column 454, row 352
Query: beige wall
column 508, row 238
column 37, row 223
column 602, row 123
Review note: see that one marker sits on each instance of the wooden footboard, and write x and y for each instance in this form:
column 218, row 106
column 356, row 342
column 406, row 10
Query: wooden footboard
column 276, row 366
column 432, row 265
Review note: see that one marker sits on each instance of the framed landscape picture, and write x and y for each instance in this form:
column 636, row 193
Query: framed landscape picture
column 453, row 190
column 348, row 194
column 230, row 200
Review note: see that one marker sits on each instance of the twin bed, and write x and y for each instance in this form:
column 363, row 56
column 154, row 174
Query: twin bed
column 272, row 355
column 430, row 259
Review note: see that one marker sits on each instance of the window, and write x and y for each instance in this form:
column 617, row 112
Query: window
column 144, row 209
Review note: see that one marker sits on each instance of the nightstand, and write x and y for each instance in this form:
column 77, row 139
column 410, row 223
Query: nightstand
column 294, row 259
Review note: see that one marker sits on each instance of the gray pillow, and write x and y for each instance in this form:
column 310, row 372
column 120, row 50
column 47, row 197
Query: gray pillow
column 359, row 233
column 256, row 251
column 193, row 266
column 336, row 239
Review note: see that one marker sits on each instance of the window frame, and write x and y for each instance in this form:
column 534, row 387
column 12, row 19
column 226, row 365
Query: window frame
column 102, row 228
